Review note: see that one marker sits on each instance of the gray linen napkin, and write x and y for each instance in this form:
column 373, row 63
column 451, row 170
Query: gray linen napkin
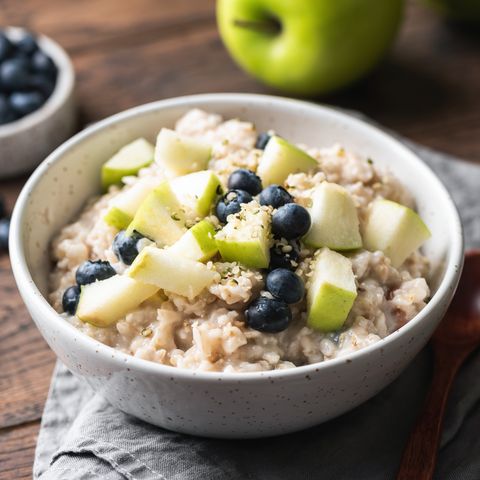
column 83, row 437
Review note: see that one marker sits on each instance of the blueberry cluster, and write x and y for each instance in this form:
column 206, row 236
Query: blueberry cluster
column 124, row 247
column 4, row 227
column 88, row 272
column 290, row 222
column 27, row 77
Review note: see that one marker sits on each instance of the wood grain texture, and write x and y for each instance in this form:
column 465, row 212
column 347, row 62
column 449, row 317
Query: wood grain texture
column 128, row 53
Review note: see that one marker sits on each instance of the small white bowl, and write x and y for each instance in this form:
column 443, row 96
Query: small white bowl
column 227, row 405
column 24, row 143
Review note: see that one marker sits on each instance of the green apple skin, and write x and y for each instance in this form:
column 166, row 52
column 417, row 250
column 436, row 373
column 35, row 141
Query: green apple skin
column 198, row 243
column 127, row 161
column 332, row 291
column 104, row 302
column 197, row 191
column 322, row 45
column 160, row 217
column 251, row 253
column 172, row 273
column 394, row 229
column 180, row 155
column 122, row 207
column 280, row 158
column 334, row 219
column 246, row 237
column 462, row 10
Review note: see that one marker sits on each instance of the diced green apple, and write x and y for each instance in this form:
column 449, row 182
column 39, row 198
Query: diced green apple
column 179, row 154
column 122, row 207
column 198, row 243
column 331, row 292
column 280, row 159
column 106, row 301
column 127, row 161
column 394, row 229
column 334, row 219
column 172, row 273
column 197, row 192
column 160, row 217
column 246, row 237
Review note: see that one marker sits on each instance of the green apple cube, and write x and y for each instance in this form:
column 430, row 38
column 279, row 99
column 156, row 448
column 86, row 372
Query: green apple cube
column 104, row 302
column 160, row 217
column 246, row 237
column 197, row 192
column 197, row 243
column 170, row 272
column 280, row 159
column 180, row 155
column 394, row 229
column 124, row 205
column 334, row 219
column 127, row 161
column 331, row 292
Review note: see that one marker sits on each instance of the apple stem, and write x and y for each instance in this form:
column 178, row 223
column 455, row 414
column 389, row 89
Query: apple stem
column 271, row 26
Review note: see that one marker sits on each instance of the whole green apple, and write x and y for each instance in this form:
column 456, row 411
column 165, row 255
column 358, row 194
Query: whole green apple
column 464, row 10
column 308, row 47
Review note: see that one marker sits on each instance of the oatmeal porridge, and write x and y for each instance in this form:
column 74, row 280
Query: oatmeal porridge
column 226, row 249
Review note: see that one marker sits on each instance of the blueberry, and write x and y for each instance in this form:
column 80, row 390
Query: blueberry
column 4, row 231
column 275, row 195
column 42, row 83
column 5, row 46
column 262, row 141
column 284, row 256
column 285, row 285
column 24, row 103
column 230, row 203
column 246, row 180
column 7, row 115
column 27, row 44
column 89, row 272
column 14, row 74
column 125, row 246
column 42, row 63
column 268, row 315
column 70, row 299
column 290, row 221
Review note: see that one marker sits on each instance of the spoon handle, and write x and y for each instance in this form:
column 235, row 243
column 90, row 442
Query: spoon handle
column 420, row 454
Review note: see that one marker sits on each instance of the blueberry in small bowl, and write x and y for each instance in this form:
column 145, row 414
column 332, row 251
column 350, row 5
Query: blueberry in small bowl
column 36, row 99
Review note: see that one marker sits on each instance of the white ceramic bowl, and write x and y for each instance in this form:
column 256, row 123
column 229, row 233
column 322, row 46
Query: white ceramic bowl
column 27, row 141
column 218, row 404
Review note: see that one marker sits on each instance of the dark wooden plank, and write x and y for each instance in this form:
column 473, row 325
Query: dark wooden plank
column 26, row 360
column 17, row 448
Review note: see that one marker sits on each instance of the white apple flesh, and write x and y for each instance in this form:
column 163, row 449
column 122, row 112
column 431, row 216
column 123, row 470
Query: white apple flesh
column 172, row 273
column 394, row 229
column 198, row 243
column 180, row 155
column 334, row 219
column 160, row 217
column 106, row 301
column 123, row 207
column 280, row 159
column 127, row 161
column 331, row 291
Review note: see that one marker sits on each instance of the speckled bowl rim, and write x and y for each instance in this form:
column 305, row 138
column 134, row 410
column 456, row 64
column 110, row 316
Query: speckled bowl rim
column 63, row 87
column 29, row 290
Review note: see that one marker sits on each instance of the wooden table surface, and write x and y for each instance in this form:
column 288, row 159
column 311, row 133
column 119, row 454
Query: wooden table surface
column 128, row 53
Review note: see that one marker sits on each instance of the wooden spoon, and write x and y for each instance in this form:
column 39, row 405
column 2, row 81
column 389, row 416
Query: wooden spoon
column 455, row 339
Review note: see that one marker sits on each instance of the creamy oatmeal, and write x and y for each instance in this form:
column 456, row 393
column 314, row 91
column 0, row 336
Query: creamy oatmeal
column 187, row 274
